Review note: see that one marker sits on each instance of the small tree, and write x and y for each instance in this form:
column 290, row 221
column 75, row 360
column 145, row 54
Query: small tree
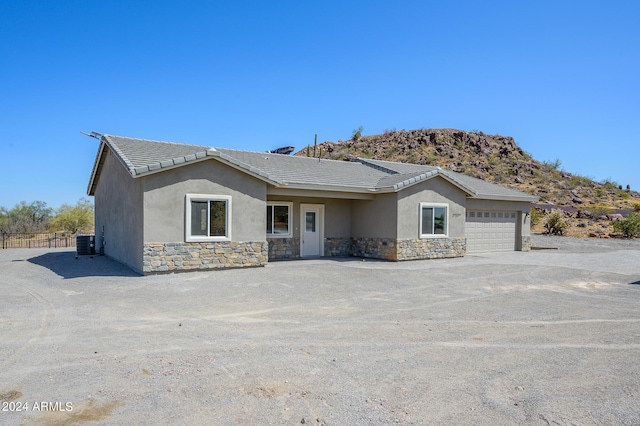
column 23, row 217
column 357, row 133
column 74, row 219
column 629, row 226
column 556, row 223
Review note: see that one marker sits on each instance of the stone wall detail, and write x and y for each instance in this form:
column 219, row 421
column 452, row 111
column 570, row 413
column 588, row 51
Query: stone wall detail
column 374, row 248
column 337, row 246
column 431, row 248
column 179, row 256
column 284, row 248
column 525, row 244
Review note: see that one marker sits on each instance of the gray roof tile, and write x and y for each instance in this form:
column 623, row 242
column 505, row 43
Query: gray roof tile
column 141, row 156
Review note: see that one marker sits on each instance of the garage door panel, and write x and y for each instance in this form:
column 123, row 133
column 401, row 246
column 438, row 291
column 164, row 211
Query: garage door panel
column 491, row 231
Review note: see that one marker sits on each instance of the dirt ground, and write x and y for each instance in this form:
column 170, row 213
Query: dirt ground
column 546, row 337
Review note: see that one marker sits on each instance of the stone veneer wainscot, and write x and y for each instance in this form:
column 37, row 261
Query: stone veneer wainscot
column 410, row 249
column 167, row 257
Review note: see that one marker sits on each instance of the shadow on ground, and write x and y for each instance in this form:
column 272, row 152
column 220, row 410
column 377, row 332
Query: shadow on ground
column 67, row 266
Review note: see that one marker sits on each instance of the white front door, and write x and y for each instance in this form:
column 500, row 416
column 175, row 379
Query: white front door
column 311, row 230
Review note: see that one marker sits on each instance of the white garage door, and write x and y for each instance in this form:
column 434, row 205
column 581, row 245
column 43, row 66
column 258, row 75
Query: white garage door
column 490, row 231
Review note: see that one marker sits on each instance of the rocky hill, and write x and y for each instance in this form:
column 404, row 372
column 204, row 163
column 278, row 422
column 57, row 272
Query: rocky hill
column 496, row 159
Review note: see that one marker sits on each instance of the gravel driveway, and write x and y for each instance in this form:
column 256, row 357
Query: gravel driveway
column 546, row 337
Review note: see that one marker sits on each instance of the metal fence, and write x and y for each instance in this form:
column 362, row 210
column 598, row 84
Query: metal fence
column 32, row 240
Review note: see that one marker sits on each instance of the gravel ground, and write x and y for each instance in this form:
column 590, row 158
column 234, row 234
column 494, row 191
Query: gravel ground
column 546, row 337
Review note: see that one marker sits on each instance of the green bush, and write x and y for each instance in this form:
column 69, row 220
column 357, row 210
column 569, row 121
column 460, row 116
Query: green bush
column 636, row 207
column 629, row 227
column 535, row 217
column 556, row 223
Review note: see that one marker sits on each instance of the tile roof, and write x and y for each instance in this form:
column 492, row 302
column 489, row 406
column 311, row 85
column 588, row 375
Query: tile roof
column 142, row 156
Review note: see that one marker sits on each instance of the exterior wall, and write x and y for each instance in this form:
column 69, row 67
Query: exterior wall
column 118, row 210
column 374, row 248
column 171, row 257
column 376, row 218
column 436, row 190
column 523, row 230
column 389, row 226
column 337, row 227
column 165, row 248
column 431, row 248
column 164, row 201
column 337, row 246
column 284, row 248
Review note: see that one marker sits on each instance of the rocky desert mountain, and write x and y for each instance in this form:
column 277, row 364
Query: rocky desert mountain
column 591, row 205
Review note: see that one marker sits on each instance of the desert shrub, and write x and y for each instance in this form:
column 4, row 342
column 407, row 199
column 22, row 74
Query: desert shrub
column 629, row 226
column 357, row 133
column 599, row 192
column 636, row 207
column 623, row 194
column 552, row 165
column 610, row 184
column 601, row 210
column 535, row 217
column 556, row 223
column 579, row 180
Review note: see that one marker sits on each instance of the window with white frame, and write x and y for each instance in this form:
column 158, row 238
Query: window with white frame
column 208, row 218
column 279, row 219
column 434, row 220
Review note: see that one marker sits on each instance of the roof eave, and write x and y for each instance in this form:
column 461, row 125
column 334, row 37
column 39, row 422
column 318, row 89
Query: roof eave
column 330, row 188
column 523, row 198
column 425, row 177
column 95, row 172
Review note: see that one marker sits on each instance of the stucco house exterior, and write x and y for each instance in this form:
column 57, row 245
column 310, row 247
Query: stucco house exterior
column 162, row 206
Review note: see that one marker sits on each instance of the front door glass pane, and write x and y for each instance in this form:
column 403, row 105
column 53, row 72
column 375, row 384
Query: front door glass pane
column 310, row 222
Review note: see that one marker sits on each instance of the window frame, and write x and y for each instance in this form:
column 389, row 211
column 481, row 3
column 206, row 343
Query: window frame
column 289, row 205
column 446, row 221
column 206, row 198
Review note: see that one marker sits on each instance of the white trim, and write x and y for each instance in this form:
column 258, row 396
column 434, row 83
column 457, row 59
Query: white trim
column 290, row 224
column 187, row 222
column 320, row 208
column 446, row 224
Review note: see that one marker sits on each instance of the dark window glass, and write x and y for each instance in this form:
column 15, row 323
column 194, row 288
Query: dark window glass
column 427, row 220
column 199, row 218
column 269, row 219
column 218, row 222
column 439, row 220
column 280, row 219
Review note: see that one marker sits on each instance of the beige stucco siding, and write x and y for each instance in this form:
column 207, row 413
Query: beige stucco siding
column 164, row 200
column 435, row 190
column 118, row 208
column 337, row 214
column 376, row 218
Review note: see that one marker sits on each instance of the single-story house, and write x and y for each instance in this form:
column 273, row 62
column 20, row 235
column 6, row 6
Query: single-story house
column 162, row 206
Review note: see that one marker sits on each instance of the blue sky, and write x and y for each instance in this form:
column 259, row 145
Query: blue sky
column 562, row 78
